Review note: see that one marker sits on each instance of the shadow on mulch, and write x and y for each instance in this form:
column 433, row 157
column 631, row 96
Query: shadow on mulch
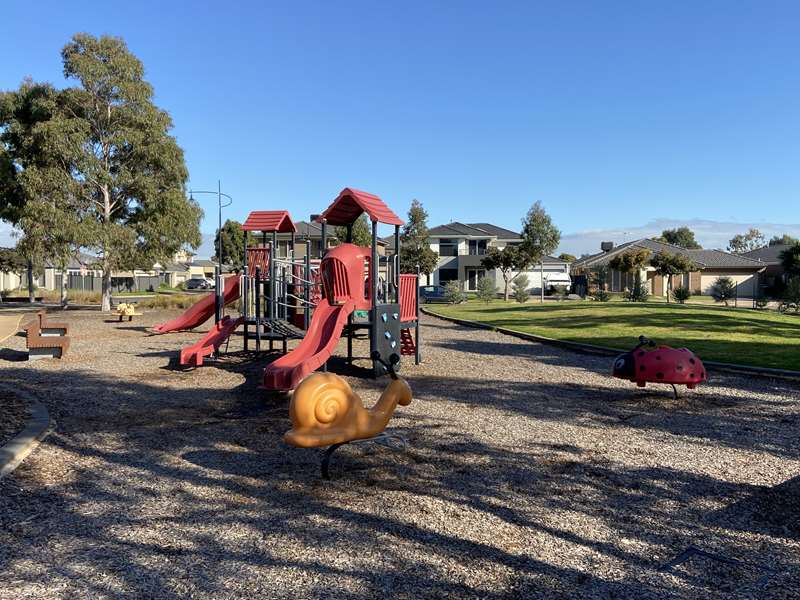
column 230, row 441
column 10, row 355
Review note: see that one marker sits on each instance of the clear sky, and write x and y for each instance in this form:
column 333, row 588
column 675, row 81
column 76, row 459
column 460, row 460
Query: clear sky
column 618, row 116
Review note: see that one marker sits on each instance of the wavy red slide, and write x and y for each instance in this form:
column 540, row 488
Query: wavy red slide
column 201, row 311
column 311, row 353
column 210, row 343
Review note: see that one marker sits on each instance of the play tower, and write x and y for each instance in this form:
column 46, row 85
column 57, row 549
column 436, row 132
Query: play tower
column 350, row 285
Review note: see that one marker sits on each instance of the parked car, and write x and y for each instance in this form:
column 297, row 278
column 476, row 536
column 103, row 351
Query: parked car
column 558, row 283
column 434, row 293
column 198, row 283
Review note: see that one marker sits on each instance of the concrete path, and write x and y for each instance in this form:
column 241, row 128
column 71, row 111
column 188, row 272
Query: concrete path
column 9, row 325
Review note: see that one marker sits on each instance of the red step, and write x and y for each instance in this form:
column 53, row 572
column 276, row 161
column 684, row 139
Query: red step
column 407, row 346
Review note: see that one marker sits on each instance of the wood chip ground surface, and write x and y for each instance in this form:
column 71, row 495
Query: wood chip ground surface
column 530, row 474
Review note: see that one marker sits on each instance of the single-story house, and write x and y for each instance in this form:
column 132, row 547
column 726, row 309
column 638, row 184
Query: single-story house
column 770, row 257
column 711, row 265
column 461, row 248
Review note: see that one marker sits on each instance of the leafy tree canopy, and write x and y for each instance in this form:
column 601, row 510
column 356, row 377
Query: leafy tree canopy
column 746, row 242
column 790, row 260
column 681, row 236
column 102, row 168
column 362, row 232
column 509, row 259
column 11, row 261
column 415, row 248
column 631, row 260
column 667, row 264
column 232, row 244
column 783, row 240
column 540, row 236
column 566, row 257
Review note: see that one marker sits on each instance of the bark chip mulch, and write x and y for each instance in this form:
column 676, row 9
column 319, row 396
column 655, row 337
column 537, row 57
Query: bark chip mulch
column 530, row 473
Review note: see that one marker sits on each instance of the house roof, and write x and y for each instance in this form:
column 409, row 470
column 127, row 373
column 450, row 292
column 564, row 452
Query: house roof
column 770, row 255
column 269, row 220
column 703, row 258
column 473, row 230
column 349, row 205
column 306, row 230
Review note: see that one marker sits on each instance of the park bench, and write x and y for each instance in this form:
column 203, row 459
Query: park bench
column 45, row 339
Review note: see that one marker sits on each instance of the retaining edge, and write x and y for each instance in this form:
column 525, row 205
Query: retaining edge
column 21, row 445
column 787, row 374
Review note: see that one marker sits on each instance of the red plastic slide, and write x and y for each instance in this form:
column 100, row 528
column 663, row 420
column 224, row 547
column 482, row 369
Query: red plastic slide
column 211, row 341
column 312, row 352
column 201, row 311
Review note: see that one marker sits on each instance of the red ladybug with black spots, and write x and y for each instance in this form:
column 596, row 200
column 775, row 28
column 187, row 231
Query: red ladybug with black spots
column 648, row 363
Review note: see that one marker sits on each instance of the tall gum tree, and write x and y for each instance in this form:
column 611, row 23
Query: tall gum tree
column 128, row 172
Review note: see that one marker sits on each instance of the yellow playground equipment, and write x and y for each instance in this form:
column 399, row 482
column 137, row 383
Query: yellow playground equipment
column 126, row 309
column 325, row 411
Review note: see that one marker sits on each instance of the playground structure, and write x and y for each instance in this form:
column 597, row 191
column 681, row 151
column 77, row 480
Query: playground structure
column 316, row 300
column 350, row 278
column 649, row 363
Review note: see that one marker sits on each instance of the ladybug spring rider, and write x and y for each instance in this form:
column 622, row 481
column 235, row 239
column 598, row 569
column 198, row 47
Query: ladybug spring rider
column 648, row 363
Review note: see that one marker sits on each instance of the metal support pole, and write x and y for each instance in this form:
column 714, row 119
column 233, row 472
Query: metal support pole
column 217, row 298
column 541, row 279
column 245, row 293
column 417, row 355
column 273, row 272
column 307, row 287
column 219, row 204
column 349, row 239
column 373, row 267
column 397, row 263
column 258, row 309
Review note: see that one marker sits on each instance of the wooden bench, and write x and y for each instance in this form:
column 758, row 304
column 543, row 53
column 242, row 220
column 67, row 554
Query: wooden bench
column 46, row 340
column 47, row 328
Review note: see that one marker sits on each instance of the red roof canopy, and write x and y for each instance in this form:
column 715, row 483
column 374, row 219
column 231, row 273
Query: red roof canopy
column 269, row 220
column 349, row 205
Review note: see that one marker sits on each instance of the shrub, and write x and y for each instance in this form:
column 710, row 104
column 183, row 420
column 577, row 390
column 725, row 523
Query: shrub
column 792, row 295
column 723, row 290
column 639, row 293
column 168, row 301
column 761, row 303
column 520, row 288
column 681, row 294
column 453, row 293
column 602, row 296
column 486, row 289
column 557, row 290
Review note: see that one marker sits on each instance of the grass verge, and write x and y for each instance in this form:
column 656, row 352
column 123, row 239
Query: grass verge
column 746, row 337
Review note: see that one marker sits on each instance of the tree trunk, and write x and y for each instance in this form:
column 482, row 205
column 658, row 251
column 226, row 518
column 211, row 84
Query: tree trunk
column 63, row 288
column 505, row 290
column 31, row 294
column 106, row 302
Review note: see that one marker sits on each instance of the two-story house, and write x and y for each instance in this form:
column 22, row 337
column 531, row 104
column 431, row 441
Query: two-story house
column 462, row 246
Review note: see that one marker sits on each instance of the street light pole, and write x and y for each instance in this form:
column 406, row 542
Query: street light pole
column 220, row 206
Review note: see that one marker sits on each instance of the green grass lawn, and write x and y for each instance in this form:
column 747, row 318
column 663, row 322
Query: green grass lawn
column 741, row 336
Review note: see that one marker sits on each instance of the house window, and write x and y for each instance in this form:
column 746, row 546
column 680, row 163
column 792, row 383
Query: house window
column 477, row 247
column 446, row 275
column 448, row 248
column 473, row 275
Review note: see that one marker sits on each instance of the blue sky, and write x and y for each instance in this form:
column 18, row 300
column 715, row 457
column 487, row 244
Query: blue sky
column 619, row 117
